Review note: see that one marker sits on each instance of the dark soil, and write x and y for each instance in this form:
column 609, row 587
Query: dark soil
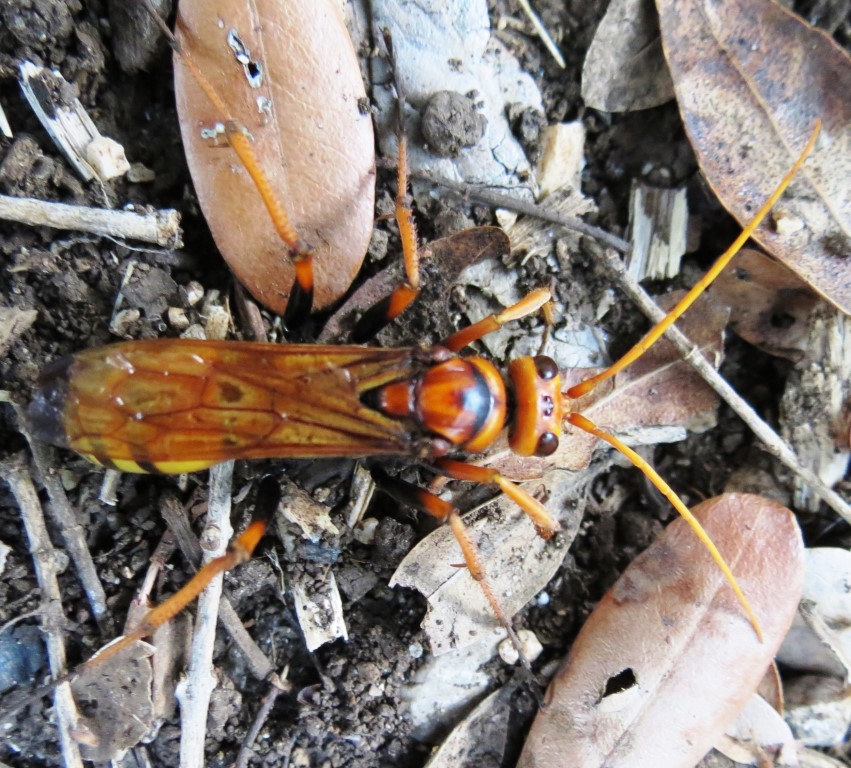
column 330, row 717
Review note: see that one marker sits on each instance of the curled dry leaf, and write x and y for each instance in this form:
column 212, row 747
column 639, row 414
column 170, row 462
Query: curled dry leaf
column 751, row 81
column 624, row 69
column 820, row 638
column 769, row 305
column 668, row 658
column 301, row 97
column 758, row 730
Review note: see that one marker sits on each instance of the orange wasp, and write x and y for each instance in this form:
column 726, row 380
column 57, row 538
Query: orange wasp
column 183, row 405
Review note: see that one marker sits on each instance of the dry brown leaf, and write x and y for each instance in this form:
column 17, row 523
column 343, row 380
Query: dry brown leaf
column 769, row 305
column 449, row 256
column 311, row 134
column 668, row 658
column 751, row 81
column 624, row 69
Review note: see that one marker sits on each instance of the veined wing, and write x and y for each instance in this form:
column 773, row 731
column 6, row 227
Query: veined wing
column 181, row 405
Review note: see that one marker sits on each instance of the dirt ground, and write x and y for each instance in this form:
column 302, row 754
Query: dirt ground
column 333, row 715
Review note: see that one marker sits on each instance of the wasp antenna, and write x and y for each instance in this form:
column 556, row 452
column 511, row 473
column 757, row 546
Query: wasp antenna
column 723, row 260
column 586, row 425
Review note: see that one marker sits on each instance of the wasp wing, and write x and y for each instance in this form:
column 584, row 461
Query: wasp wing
column 182, row 405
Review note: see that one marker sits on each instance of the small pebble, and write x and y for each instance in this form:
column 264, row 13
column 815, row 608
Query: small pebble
column 529, row 643
column 218, row 322
column 177, row 318
column 192, row 292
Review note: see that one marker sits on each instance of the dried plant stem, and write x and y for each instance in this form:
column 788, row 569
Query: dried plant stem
column 260, row 665
column 773, row 443
column 194, row 693
column 16, row 475
column 160, row 227
column 501, row 200
column 543, row 33
column 276, row 687
column 72, row 535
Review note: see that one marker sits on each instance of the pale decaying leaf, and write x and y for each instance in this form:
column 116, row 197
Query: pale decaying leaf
column 519, row 563
column 289, row 72
column 624, row 68
column 759, row 730
column 426, row 35
column 769, row 305
column 818, row 709
column 115, row 702
column 446, row 686
column 752, row 80
column 479, row 739
column 668, row 658
column 820, row 638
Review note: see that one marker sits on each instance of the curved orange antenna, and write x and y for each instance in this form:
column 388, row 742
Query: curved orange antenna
column 588, row 426
column 723, row 260
column 639, row 349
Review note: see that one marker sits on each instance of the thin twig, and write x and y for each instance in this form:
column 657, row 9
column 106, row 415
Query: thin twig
column 772, row 442
column 501, row 200
column 275, row 689
column 53, row 618
column 194, row 693
column 72, row 534
column 258, row 662
column 160, row 227
column 543, row 33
